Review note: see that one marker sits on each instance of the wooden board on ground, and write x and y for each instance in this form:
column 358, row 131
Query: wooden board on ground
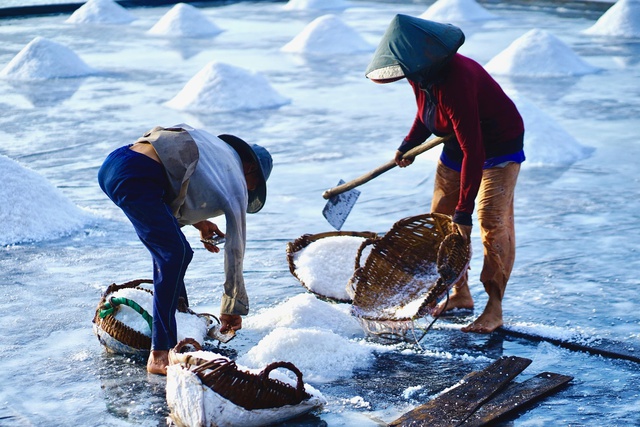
column 601, row 346
column 516, row 397
column 456, row 405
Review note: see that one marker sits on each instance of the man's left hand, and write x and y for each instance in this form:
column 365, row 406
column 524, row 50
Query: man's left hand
column 230, row 322
column 207, row 231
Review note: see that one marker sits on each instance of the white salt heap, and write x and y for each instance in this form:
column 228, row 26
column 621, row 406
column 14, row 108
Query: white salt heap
column 306, row 311
column 546, row 143
column 101, row 12
column 221, row 87
column 620, row 20
column 43, row 59
column 184, row 20
column 456, row 11
column 315, row 4
column 33, row 209
column 538, row 53
column 326, row 265
column 328, row 34
column 322, row 355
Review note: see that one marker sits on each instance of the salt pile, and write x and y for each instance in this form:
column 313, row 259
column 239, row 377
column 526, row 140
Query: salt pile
column 328, row 34
column 101, row 12
column 546, row 143
column 315, row 4
column 620, row 20
column 32, row 209
column 456, row 11
column 306, row 311
column 322, row 355
column 326, row 265
column 221, row 87
column 538, row 53
column 44, row 59
column 184, row 20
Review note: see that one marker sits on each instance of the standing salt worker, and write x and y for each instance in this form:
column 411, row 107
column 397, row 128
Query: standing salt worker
column 177, row 176
column 456, row 96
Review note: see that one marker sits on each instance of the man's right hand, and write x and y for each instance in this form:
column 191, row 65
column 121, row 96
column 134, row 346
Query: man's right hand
column 230, row 322
column 400, row 161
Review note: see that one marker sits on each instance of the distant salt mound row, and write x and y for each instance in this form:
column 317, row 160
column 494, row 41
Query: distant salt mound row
column 101, row 12
column 32, row 209
column 620, row 20
column 538, row 54
column 456, row 11
column 184, row 20
column 315, row 4
column 43, row 59
column 221, row 87
column 328, row 34
column 546, row 143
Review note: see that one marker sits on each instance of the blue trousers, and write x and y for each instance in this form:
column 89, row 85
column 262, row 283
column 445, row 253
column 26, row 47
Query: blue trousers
column 137, row 185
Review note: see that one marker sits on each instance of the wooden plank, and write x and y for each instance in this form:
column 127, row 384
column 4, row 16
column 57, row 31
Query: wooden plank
column 456, row 405
column 601, row 346
column 515, row 397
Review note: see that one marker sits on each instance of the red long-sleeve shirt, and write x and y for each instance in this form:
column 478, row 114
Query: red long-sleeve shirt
column 467, row 101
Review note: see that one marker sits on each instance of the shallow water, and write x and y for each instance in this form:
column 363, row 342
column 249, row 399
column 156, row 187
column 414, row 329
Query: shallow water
column 577, row 225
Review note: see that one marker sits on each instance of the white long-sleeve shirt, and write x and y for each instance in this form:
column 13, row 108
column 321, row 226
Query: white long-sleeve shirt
column 207, row 181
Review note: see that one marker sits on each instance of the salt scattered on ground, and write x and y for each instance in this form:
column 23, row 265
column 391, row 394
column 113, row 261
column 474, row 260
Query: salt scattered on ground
column 546, row 142
column 33, row 209
column 221, row 87
column 620, row 20
column 328, row 34
column 538, row 53
column 44, row 59
column 456, row 11
column 325, row 266
column 306, row 311
column 101, row 12
column 184, row 20
column 321, row 355
column 315, row 4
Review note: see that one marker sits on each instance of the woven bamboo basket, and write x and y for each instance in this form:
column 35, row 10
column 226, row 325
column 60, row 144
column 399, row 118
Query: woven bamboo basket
column 305, row 240
column 114, row 335
column 407, row 271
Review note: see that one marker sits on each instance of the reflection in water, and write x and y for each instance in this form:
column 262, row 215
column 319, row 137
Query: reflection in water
column 48, row 93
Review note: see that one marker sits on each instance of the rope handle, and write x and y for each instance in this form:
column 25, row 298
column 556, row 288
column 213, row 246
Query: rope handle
column 185, row 342
column 264, row 375
column 113, row 302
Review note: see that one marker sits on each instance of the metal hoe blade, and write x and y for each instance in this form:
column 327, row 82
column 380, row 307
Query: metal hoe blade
column 339, row 206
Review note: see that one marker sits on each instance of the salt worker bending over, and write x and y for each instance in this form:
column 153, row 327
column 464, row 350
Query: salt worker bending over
column 456, row 96
column 177, row 176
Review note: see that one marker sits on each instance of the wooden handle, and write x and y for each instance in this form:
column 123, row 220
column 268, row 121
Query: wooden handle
column 382, row 169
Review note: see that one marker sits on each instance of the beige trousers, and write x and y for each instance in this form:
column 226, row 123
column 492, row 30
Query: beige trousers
column 495, row 216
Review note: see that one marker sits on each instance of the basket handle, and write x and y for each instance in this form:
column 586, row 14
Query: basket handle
column 264, row 375
column 187, row 341
column 363, row 245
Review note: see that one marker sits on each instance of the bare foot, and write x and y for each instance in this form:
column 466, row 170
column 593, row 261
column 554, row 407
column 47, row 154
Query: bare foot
column 460, row 298
column 488, row 321
column 158, row 361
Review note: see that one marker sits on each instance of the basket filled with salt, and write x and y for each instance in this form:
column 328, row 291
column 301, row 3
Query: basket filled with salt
column 123, row 319
column 323, row 263
column 208, row 389
column 407, row 271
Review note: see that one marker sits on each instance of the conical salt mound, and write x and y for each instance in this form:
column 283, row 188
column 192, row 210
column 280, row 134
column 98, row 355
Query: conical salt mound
column 621, row 20
column 328, row 34
column 43, row 59
column 457, row 11
column 184, row 20
column 32, row 209
column 546, row 143
column 220, row 87
column 538, row 54
column 101, row 12
column 315, row 4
